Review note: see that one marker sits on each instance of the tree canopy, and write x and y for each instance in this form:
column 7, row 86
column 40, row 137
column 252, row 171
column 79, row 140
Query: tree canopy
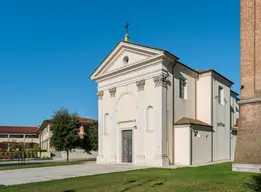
column 65, row 130
column 89, row 142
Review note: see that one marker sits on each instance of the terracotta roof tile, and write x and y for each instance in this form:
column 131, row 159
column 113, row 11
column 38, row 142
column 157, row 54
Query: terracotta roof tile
column 18, row 129
column 186, row 120
column 81, row 119
column 85, row 120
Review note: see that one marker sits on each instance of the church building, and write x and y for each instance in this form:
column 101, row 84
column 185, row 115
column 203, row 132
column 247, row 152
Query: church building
column 154, row 110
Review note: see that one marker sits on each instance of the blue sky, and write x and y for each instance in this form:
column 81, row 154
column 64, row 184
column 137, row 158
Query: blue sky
column 48, row 48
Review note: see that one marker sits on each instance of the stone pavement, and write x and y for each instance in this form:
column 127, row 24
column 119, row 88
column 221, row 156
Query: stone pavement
column 30, row 175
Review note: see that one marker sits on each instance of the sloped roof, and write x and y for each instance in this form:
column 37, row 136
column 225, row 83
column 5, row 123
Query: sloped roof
column 189, row 121
column 86, row 120
column 237, row 94
column 212, row 70
column 18, row 129
column 137, row 44
column 165, row 52
column 81, row 119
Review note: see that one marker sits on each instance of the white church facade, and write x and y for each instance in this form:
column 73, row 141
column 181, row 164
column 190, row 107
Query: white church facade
column 153, row 110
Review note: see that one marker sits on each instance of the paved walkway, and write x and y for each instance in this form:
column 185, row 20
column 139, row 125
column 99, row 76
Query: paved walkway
column 21, row 176
column 6, row 163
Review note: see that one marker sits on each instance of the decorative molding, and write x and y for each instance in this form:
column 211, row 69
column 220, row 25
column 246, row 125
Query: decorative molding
column 130, row 80
column 221, row 124
column 112, row 92
column 133, row 67
column 124, row 46
column 140, row 84
column 100, row 94
column 160, row 80
column 246, row 101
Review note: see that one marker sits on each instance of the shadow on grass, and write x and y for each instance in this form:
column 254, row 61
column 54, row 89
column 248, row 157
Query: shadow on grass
column 19, row 164
column 153, row 184
column 255, row 184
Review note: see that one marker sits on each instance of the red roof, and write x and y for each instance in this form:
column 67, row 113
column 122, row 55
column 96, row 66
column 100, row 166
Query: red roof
column 18, row 129
column 186, row 120
column 85, row 120
column 81, row 119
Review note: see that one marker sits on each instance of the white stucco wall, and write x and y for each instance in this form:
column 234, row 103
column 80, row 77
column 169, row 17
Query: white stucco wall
column 133, row 57
column 208, row 105
column 127, row 109
column 44, row 138
column 234, row 110
column 221, row 114
column 204, row 98
column 201, row 145
column 182, row 145
column 233, row 144
column 184, row 107
column 24, row 139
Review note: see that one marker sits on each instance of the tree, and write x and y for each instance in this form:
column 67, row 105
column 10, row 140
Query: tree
column 65, row 129
column 89, row 142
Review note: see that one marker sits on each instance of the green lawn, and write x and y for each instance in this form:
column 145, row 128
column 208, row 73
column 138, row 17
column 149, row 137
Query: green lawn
column 52, row 164
column 199, row 179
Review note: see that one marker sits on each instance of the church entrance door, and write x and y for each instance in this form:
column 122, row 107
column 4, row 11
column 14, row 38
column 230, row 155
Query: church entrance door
column 127, row 146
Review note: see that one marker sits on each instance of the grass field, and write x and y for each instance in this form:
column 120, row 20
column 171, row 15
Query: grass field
column 42, row 164
column 211, row 178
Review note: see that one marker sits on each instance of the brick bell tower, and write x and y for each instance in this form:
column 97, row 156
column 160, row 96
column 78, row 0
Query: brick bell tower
column 248, row 145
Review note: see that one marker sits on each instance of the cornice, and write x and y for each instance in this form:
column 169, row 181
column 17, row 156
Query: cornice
column 129, row 68
column 133, row 79
column 123, row 45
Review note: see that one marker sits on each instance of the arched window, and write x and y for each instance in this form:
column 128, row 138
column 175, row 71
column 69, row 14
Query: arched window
column 150, row 119
column 106, row 124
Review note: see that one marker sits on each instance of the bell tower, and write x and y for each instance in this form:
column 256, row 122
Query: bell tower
column 248, row 145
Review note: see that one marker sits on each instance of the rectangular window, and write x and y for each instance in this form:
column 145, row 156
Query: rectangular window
column 182, row 85
column 3, row 136
column 16, row 136
column 30, row 136
column 220, row 95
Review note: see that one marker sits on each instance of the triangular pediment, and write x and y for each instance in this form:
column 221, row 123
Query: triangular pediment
column 123, row 55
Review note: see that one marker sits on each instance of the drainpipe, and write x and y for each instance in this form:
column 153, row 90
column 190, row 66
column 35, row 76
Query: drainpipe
column 196, row 92
column 212, row 123
column 173, row 113
column 230, row 123
column 191, row 144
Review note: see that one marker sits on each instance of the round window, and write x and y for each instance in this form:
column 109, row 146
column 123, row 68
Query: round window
column 126, row 59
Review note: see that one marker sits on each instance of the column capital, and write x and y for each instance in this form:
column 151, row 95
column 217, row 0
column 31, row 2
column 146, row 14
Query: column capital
column 100, row 94
column 140, row 84
column 160, row 80
column 112, row 92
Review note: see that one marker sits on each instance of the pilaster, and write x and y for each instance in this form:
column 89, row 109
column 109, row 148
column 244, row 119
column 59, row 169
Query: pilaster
column 100, row 126
column 113, row 125
column 161, row 158
column 139, row 141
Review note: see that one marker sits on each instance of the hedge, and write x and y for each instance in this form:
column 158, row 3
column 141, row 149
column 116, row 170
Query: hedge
column 18, row 155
